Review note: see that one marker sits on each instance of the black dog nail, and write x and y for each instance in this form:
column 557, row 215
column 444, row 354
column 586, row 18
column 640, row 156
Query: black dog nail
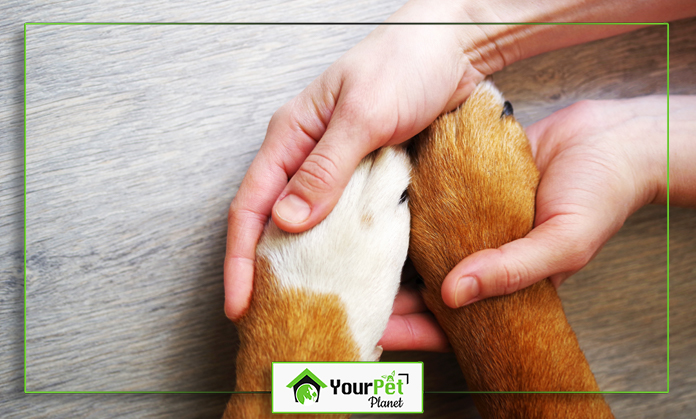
column 507, row 109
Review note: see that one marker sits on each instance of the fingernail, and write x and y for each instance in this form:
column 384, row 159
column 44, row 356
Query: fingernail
column 377, row 352
column 467, row 289
column 293, row 209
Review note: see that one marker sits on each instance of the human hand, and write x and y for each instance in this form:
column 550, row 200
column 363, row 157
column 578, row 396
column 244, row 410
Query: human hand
column 385, row 90
column 599, row 161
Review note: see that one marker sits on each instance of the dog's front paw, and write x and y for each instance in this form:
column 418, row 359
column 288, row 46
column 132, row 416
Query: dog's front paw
column 357, row 252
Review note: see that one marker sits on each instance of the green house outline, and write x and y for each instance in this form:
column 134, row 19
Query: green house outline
column 310, row 374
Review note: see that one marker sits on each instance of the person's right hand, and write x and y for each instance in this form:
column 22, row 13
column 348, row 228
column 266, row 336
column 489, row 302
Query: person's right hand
column 385, row 90
column 599, row 162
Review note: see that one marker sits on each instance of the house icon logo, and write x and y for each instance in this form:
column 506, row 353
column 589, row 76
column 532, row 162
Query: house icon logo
column 306, row 387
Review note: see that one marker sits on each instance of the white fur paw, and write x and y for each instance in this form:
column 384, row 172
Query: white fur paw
column 358, row 251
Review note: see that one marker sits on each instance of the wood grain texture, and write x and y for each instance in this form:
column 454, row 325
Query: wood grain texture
column 138, row 138
column 127, row 286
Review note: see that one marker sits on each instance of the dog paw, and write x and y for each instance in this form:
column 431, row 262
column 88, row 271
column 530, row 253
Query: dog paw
column 357, row 252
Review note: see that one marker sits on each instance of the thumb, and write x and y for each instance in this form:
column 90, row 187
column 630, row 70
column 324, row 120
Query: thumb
column 557, row 249
column 316, row 186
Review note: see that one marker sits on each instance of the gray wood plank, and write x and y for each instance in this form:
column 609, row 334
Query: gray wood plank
column 137, row 139
column 213, row 336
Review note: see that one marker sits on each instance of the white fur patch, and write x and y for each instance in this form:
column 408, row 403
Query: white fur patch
column 357, row 252
column 488, row 86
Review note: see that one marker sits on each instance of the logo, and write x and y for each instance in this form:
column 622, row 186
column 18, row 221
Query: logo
column 347, row 387
column 377, row 389
column 306, row 387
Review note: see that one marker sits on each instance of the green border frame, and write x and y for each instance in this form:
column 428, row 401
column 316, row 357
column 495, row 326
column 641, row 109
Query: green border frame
column 365, row 362
column 311, row 24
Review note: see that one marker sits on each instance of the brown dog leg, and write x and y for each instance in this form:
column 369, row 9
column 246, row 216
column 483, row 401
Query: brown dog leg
column 473, row 188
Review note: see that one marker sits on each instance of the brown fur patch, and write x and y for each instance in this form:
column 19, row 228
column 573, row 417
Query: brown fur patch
column 281, row 325
column 473, row 188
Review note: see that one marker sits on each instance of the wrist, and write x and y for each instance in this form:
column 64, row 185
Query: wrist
column 640, row 126
column 682, row 153
column 485, row 48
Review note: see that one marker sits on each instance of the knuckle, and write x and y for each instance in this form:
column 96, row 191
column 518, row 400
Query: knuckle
column 282, row 116
column 411, row 333
column 317, row 174
column 354, row 112
column 577, row 260
column 378, row 124
column 232, row 214
column 239, row 218
column 578, row 254
column 513, row 276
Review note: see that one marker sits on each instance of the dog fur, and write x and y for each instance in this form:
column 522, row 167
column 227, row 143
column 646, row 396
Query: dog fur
column 326, row 294
column 473, row 187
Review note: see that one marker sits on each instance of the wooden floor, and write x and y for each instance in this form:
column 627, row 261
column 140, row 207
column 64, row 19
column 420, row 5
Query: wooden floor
column 137, row 139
